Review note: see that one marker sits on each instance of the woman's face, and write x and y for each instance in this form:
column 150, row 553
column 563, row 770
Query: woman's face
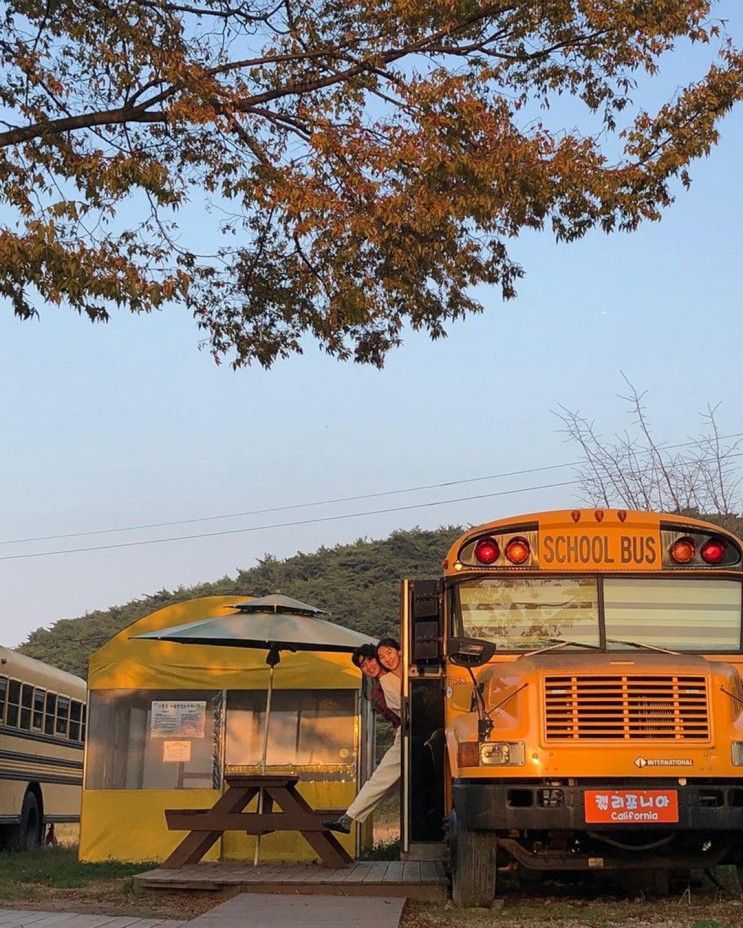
column 389, row 657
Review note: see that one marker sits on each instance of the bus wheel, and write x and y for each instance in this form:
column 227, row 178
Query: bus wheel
column 27, row 835
column 472, row 860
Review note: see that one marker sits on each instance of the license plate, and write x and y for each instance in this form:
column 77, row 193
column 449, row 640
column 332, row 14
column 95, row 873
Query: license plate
column 630, row 806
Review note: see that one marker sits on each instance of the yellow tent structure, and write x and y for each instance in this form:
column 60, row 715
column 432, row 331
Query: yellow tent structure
column 166, row 721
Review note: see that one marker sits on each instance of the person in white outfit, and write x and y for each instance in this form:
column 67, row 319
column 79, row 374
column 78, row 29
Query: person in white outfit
column 385, row 668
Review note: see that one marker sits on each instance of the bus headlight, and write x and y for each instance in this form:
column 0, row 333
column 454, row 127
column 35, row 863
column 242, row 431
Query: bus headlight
column 737, row 751
column 502, row 753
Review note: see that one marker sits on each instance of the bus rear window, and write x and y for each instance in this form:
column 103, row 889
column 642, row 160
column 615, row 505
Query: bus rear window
column 27, row 696
column 38, row 716
column 75, row 717
column 14, row 703
column 51, row 713
column 63, row 715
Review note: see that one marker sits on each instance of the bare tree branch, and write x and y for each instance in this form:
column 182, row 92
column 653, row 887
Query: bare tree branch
column 635, row 471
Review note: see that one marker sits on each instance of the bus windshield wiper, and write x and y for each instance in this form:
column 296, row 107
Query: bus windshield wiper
column 559, row 643
column 641, row 644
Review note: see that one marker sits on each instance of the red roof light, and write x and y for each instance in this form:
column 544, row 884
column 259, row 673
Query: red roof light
column 487, row 551
column 683, row 550
column 713, row 551
column 518, row 550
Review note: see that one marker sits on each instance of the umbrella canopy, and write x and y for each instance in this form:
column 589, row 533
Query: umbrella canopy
column 264, row 630
column 275, row 602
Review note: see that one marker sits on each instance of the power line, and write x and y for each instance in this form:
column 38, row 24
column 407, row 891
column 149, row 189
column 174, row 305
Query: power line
column 260, row 528
column 327, row 502
column 257, row 512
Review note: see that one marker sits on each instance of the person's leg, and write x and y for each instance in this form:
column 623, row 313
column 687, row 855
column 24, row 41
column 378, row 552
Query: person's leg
column 378, row 785
column 373, row 791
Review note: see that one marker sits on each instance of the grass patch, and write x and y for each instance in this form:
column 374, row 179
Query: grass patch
column 22, row 873
column 383, row 850
column 709, row 923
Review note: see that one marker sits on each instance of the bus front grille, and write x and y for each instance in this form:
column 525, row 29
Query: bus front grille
column 626, row 707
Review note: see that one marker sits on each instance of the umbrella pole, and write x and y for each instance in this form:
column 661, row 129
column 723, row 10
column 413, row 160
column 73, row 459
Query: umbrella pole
column 264, row 755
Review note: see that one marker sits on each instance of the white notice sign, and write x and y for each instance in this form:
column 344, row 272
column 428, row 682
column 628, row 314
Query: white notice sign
column 176, row 719
column 176, row 752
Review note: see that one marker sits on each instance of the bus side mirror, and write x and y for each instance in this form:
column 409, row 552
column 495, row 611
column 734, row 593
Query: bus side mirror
column 470, row 652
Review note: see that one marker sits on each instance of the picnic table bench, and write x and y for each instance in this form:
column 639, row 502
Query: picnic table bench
column 206, row 826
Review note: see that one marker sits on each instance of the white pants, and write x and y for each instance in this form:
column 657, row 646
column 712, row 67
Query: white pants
column 378, row 785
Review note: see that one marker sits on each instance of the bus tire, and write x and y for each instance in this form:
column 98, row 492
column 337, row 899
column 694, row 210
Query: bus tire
column 472, row 860
column 27, row 835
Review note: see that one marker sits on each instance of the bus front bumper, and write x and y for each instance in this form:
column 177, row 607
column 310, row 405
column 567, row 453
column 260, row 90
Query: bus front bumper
column 488, row 805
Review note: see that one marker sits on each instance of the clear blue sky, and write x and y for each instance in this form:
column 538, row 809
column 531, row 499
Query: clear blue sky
column 129, row 423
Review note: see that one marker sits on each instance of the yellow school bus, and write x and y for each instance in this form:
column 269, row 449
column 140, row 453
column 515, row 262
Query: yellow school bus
column 574, row 699
column 42, row 731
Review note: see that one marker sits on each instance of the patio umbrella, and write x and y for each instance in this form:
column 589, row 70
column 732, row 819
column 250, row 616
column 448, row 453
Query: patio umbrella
column 276, row 623
column 275, row 602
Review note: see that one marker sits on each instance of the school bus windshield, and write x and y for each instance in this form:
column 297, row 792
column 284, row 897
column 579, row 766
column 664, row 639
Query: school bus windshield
column 520, row 613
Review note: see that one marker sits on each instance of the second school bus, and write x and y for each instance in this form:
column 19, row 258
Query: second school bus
column 42, row 732
column 573, row 695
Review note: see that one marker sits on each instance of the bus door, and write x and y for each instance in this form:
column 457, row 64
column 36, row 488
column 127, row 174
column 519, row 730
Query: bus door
column 423, row 742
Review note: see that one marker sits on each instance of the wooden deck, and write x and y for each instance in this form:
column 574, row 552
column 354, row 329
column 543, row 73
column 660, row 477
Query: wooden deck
column 413, row 879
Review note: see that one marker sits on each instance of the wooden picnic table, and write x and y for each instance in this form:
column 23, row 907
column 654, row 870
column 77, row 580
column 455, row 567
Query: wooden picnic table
column 206, row 826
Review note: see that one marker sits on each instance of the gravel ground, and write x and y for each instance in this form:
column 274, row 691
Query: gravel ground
column 693, row 902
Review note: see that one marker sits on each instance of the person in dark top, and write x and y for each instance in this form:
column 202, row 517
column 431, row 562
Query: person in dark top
column 387, row 774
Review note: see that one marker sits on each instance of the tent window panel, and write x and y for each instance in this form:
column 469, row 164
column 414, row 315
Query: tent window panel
column 308, row 730
column 153, row 739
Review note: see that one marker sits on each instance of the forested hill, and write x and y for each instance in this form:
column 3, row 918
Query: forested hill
column 357, row 583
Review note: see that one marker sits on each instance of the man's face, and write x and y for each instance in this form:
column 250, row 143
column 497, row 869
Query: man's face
column 370, row 667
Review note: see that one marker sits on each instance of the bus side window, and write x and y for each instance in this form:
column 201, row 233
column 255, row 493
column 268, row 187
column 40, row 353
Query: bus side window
column 38, row 716
column 14, row 702
column 27, row 697
column 63, row 715
column 75, row 712
column 3, row 697
column 51, row 713
column 82, row 726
